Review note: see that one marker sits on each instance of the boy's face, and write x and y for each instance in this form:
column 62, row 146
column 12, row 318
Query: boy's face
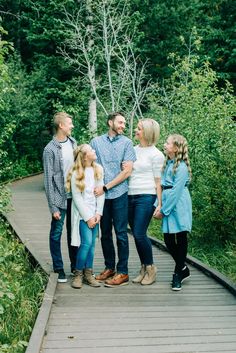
column 67, row 126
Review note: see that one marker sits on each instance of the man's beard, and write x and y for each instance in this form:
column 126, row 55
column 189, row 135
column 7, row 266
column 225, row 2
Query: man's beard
column 114, row 129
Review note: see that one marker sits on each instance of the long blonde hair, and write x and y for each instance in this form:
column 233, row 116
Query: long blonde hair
column 79, row 166
column 181, row 154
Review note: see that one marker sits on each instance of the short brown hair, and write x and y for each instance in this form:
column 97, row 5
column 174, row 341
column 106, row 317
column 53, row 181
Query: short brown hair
column 59, row 118
column 113, row 115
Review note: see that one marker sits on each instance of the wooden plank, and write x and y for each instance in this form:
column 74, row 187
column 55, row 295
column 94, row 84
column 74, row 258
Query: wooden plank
column 53, row 336
column 169, row 348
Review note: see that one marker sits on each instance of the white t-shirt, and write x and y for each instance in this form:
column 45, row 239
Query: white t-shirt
column 147, row 167
column 67, row 156
column 89, row 197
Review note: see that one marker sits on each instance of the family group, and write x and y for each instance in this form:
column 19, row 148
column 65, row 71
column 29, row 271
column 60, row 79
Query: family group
column 111, row 183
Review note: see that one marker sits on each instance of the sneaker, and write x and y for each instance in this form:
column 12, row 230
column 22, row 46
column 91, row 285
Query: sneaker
column 176, row 282
column 61, row 276
column 105, row 274
column 120, row 279
column 185, row 273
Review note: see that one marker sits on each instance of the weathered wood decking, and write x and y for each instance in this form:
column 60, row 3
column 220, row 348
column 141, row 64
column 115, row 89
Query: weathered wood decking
column 130, row 319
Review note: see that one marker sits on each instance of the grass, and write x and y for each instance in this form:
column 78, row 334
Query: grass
column 21, row 292
column 218, row 256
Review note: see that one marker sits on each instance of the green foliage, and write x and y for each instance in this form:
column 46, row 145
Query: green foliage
column 195, row 107
column 20, row 294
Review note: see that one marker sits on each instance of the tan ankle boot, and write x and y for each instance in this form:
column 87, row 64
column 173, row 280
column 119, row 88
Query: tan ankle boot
column 139, row 278
column 89, row 278
column 77, row 279
column 150, row 275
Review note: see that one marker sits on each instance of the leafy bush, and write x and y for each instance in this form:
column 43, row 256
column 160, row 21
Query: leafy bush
column 20, row 295
column 191, row 104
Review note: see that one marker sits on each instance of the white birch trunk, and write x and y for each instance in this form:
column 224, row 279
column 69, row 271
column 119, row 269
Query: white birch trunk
column 93, row 115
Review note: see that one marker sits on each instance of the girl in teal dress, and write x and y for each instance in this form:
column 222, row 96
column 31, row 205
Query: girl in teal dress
column 176, row 210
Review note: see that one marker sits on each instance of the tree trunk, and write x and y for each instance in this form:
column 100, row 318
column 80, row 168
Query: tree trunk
column 92, row 115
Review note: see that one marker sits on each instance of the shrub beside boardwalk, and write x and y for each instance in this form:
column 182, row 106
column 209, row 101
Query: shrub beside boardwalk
column 21, row 290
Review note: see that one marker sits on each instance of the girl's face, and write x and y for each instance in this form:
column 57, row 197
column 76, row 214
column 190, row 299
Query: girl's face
column 139, row 132
column 90, row 154
column 169, row 148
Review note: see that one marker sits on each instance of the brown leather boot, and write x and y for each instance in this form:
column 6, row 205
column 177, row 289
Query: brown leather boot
column 150, row 275
column 77, row 279
column 139, row 278
column 89, row 279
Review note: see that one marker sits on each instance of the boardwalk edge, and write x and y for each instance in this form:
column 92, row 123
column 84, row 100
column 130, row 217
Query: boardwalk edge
column 39, row 329
column 219, row 277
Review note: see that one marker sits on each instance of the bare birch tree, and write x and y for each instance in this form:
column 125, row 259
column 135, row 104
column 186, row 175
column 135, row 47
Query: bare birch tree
column 102, row 42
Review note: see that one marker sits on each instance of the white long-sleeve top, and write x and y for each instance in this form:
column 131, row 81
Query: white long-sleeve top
column 84, row 204
column 146, row 168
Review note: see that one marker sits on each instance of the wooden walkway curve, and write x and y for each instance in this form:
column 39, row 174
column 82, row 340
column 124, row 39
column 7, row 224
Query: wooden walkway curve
column 130, row 319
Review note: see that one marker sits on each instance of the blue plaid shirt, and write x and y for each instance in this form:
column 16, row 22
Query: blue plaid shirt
column 111, row 152
column 54, row 181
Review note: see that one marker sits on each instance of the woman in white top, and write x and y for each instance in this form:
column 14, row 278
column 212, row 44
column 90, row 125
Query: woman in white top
column 86, row 212
column 144, row 189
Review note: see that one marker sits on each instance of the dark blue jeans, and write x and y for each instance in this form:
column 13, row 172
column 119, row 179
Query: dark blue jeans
column 115, row 213
column 140, row 213
column 55, row 239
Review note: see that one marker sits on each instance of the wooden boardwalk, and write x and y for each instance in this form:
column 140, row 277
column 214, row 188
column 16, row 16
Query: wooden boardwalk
column 130, row 319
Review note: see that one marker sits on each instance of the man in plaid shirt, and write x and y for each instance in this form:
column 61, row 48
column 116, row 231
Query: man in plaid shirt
column 57, row 161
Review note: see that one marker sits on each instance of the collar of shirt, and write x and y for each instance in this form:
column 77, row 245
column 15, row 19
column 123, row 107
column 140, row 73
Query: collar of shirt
column 113, row 138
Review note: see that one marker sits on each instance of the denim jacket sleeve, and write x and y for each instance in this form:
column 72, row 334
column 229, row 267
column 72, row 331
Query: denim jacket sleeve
column 172, row 195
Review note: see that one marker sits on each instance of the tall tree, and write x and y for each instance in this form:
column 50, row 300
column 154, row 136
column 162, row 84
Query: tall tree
column 103, row 53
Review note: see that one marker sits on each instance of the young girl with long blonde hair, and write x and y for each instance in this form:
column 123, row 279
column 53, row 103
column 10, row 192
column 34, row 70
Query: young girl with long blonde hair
column 86, row 212
column 176, row 210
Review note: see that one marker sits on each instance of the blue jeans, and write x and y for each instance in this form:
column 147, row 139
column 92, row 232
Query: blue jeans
column 115, row 213
column 140, row 214
column 55, row 241
column 85, row 254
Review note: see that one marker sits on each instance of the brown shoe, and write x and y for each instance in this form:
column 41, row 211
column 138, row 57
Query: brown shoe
column 105, row 274
column 120, row 279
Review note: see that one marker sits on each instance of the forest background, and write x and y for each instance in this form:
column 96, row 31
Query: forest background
column 170, row 60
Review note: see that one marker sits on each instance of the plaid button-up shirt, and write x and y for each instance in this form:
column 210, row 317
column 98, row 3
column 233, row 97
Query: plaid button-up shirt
column 54, row 182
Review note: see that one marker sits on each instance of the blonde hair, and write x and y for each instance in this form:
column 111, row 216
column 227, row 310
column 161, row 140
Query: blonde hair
column 181, row 154
column 79, row 167
column 151, row 130
column 59, row 118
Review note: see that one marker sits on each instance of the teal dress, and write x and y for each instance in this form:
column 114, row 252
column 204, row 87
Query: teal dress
column 176, row 201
